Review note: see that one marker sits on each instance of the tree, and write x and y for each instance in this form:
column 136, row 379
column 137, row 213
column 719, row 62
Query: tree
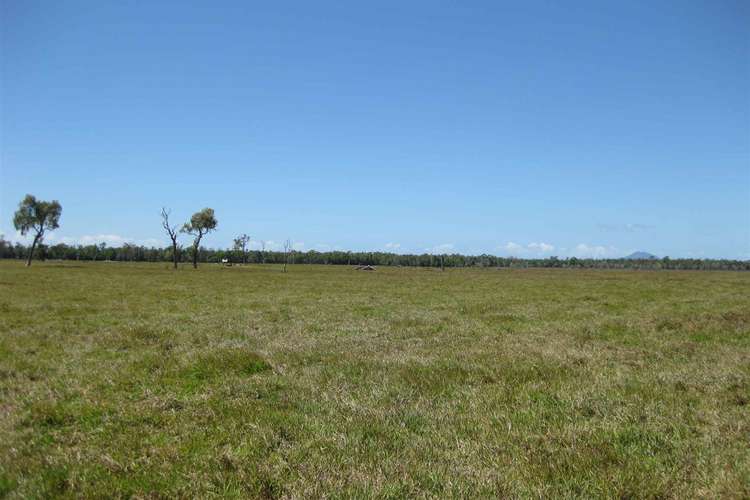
column 173, row 233
column 37, row 216
column 201, row 223
column 287, row 248
column 240, row 245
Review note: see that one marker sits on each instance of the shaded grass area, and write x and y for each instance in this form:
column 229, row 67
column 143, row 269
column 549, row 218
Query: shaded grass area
column 135, row 380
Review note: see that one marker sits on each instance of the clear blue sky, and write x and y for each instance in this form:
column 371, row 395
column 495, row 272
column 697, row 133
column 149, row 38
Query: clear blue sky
column 525, row 128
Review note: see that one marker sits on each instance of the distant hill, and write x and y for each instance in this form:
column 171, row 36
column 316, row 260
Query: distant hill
column 641, row 256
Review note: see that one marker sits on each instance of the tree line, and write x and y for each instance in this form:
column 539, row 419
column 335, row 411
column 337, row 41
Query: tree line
column 139, row 253
column 37, row 217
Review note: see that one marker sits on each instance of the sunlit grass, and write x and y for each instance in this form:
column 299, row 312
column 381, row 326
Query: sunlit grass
column 136, row 380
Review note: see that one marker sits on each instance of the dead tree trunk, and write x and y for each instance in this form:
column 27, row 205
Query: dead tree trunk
column 174, row 253
column 173, row 234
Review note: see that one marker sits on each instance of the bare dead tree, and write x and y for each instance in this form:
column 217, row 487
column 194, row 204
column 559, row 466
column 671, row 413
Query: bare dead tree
column 262, row 251
column 240, row 245
column 287, row 248
column 172, row 232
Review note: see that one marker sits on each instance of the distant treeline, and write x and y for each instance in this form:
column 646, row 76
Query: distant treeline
column 136, row 253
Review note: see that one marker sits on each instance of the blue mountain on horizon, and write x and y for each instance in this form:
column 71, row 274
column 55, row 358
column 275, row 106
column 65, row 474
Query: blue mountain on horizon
column 640, row 255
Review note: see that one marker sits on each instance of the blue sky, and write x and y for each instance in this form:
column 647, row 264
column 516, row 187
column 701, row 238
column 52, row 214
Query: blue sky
column 524, row 128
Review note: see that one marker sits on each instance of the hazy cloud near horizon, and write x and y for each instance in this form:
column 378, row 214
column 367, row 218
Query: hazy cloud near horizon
column 541, row 250
column 535, row 249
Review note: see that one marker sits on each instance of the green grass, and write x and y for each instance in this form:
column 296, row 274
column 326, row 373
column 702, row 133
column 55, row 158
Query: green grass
column 135, row 380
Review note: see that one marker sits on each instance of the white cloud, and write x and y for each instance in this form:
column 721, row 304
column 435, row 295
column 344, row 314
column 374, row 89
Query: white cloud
column 513, row 247
column 88, row 239
column 595, row 251
column 256, row 245
column 150, row 242
column 443, row 248
column 393, row 246
column 323, row 247
column 270, row 245
column 298, row 245
column 540, row 248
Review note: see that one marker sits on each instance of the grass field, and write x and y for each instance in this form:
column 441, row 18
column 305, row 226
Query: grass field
column 136, row 380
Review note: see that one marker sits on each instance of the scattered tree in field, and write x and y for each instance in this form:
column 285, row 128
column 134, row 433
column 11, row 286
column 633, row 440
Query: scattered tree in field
column 37, row 216
column 201, row 223
column 287, row 248
column 173, row 233
column 240, row 246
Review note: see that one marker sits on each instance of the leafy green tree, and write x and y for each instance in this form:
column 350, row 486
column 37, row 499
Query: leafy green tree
column 201, row 223
column 37, row 216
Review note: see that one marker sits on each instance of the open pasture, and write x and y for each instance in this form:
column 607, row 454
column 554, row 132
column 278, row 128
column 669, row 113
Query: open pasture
column 137, row 380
